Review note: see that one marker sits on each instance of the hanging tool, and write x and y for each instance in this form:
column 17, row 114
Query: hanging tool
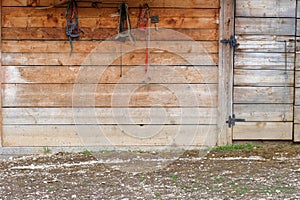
column 72, row 30
column 124, row 20
column 155, row 20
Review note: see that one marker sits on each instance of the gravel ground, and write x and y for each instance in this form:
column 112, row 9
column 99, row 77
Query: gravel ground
column 272, row 172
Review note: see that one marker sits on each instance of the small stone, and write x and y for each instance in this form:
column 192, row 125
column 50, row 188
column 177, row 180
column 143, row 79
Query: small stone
column 73, row 196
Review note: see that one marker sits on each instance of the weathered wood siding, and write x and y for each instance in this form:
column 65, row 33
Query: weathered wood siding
column 297, row 79
column 264, row 69
column 39, row 76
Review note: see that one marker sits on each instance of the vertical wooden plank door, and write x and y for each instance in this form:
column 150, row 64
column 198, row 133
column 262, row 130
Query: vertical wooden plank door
column 264, row 69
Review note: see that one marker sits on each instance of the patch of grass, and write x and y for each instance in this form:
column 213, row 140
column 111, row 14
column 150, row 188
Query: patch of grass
column 249, row 145
column 157, row 194
column 242, row 190
column 47, row 150
column 86, row 152
column 174, row 177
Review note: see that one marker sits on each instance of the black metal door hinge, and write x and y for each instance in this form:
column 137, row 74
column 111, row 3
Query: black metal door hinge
column 232, row 42
column 231, row 120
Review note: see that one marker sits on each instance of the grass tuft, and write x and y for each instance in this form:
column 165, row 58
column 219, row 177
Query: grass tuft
column 249, row 145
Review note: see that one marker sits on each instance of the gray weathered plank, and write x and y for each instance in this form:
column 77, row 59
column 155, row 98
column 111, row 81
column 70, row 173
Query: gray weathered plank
column 264, row 61
column 297, row 96
column 297, row 114
column 110, row 135
column 263, row 95
column 266, row 8
column 298, row 25
column 104, row 116
column 264, row 112
column 297, row 133
column 263, row 131
column 297, row 78
column 265, row 43
column 263, row 78
column 265, row 26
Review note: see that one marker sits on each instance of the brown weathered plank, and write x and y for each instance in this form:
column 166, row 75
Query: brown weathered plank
column 107, row 46
column 225, row 72
column 131, row 3
column 263, row 131
column 297, row 61
column 108, row 12
column 264, row 112
column 265, row 43
column 110, row 74
column 106, row 59
column 267, row 8
column 264, row 61
column 265, row 26
column 263, row 78
column 105, row 22
column 110, row 135
column 297, row 133
column 1, row 79
column 263, row 94
column 102, row 34
column 105, row 116
column 109, row 95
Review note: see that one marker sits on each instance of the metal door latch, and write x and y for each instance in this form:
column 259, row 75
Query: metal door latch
column 231, row 120
column 232, row 42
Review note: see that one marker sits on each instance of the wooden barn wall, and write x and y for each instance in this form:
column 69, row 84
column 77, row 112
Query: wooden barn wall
column 264, row 69
column 39, row 73
column 297, row 79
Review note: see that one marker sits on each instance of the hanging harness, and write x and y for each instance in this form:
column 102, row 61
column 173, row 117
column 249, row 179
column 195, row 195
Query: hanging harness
column 72, row 30
column 124, row 19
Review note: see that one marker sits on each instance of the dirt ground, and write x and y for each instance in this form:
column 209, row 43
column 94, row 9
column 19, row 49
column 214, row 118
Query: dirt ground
column 271, row 172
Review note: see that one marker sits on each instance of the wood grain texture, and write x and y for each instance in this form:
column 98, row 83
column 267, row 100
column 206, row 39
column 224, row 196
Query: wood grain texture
column 265, row 26
column 131, row 3
column 265, row 43
column 297, row 78
column 109, row 95
column 100, row 34
column 109, row 74
column 297, row 133
column 107, row 46
column 263, row 131
column 109, row 116
column 263, row 78
column 298, row 25
column 297, row 114
column 264, row 61
column 110, row 135
column 106, row 59
column 297, row 96
column 264, row 112
column 267, row 8
column 254, row 95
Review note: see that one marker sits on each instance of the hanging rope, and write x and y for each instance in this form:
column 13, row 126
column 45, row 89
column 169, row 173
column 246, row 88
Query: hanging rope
column 72, row 30
column 124, row 20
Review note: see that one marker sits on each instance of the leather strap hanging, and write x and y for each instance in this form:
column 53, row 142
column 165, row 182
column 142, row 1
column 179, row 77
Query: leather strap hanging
column 124, row 20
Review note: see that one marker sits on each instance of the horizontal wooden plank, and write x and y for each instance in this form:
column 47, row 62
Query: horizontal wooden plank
column 108, row 46
column 106, row 59
column 297, row 114
column 109, row 95
column 263, row 78
column 264, row 61
column 110, row 135
column 297, row 61
column 297, row 133
column 110, row 74
column 264, row 112
column 297, row 78
column 297, row 96
column 131, row 3
column 267, row 8
column 265, row 26
column 105, row 22
column 298, row 25
column 263, row 94
column 108, row 12
column 109, row 116
column 102, row 34
column 297, row 44
column 263, row 131
column 265, row 43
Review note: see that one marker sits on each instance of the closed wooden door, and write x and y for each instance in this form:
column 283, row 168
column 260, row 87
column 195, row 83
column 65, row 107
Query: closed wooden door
column 263, row 80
